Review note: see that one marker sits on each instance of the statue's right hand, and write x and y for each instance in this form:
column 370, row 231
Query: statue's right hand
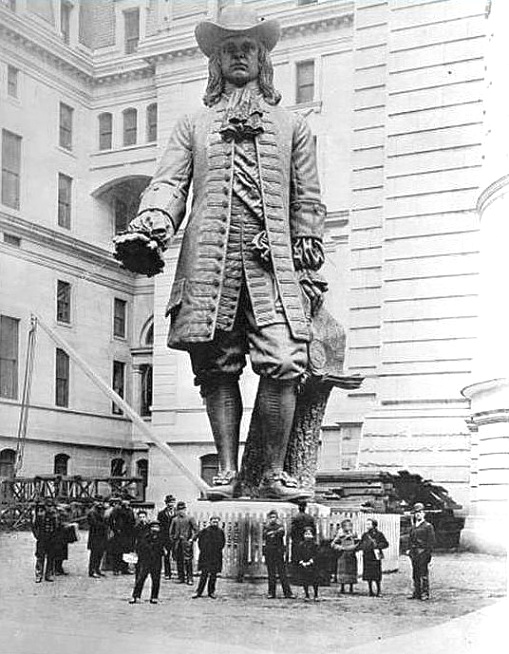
column 139, row 253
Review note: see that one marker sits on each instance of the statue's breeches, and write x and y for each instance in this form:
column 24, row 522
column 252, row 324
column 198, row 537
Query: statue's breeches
column 273, row 351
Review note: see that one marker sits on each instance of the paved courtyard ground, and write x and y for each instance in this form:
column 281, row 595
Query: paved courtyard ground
column 79, row 615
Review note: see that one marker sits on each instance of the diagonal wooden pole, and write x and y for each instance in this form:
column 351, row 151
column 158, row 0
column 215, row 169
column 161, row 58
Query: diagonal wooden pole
column 120, row 402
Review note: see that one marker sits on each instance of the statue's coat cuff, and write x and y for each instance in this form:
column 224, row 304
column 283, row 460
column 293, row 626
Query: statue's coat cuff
column 307, row 219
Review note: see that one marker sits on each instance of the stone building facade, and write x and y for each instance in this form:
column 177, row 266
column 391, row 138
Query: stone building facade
column 393, row 92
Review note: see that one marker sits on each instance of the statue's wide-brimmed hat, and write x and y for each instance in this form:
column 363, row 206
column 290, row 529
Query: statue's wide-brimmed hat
column 236, row 21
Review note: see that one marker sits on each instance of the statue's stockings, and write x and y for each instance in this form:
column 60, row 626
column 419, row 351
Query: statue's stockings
column 275, row 404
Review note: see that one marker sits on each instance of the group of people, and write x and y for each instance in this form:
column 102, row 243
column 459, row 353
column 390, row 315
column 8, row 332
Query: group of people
column 311, row 560
column 116, row 536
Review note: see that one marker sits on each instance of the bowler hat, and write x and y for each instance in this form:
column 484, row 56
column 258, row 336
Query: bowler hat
column 236, row 21
column 418, row 507
column 181, row 505
column 169, row 498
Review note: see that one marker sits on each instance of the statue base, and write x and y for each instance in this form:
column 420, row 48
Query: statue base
column 242, row 521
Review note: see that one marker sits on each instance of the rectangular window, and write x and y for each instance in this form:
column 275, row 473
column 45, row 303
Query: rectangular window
column 9, row 334
column 65, row 134
column 118, row 384
column 130, row 126
column 131, row 30
column 65, row 21
column 61, row 378
column 64, row 200
column 152, row 123
column 305, row 82
column 105, row 131
column 12, row 81
column 119, row 318
column 11, row 168
column 63, row 302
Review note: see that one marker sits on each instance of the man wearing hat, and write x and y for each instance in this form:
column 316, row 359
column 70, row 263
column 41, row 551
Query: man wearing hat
column 165, row 517
column 183, row 531
column 97, row 537
column 246, row 281
column 422, row 542
column 44, row 528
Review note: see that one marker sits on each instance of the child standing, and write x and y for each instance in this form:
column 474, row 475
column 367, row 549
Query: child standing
column 307, row 562
column 150, row 552
column 345, row 543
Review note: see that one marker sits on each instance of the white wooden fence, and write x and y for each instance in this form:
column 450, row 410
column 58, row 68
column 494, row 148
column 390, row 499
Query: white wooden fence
column 242, row 556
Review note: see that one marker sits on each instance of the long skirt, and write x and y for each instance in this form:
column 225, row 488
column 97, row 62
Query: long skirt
column 372, row 568
column 347, row 568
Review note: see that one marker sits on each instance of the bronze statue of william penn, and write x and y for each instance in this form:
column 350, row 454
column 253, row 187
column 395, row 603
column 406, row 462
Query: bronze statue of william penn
column 247, row 280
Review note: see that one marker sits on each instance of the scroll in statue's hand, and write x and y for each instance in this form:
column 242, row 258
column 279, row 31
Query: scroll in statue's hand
column 139, row 253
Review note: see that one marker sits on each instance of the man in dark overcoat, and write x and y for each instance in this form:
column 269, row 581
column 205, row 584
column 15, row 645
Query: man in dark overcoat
column 247, row 278
column 150, row 552
column 97, row 538
column 211, row 541
column 45, row 527
column 422, row 542
column 183, row 531
column 165, row 517
column 274, row 551
column 121, row 523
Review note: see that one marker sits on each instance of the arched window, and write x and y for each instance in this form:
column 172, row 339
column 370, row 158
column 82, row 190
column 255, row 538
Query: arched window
column 7, row 459
column 117, row 467
column 105, row 131
column 152, row 123
column 142, row 470
column 149, row 336
column 209, row 467
column 61, row 465
column 130, row 126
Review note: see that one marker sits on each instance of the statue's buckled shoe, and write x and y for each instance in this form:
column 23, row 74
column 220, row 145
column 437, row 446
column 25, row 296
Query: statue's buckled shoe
column 282, row 486
column 224, row 486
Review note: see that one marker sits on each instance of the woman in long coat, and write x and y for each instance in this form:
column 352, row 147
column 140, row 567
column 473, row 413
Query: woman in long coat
column 211, row 542
column 345, row 544
column 372, row 543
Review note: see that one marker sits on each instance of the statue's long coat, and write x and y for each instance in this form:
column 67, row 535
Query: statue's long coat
column 292, row 208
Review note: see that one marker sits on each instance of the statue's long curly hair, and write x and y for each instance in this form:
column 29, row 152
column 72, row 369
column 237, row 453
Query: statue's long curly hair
column 215, row 84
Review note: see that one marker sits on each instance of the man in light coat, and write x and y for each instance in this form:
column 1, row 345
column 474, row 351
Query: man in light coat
column 246, row 280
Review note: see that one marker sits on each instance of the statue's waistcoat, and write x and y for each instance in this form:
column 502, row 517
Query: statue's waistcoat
column 199, row 278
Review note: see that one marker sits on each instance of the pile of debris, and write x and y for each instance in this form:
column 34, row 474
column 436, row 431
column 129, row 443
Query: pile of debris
column 384, row 492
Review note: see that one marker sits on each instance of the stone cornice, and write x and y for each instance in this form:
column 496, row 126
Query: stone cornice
column 76, row 249
column 97, row 69
column 45, row 46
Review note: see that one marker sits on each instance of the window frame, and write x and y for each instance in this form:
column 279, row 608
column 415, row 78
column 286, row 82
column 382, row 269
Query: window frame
column 62, row 382
column 120, row 390
column 64, row 204
column 122, row 334
column 11, row 176
column 65, row 20
column 129, row 129
column 300, row 87
column 152, row 123
column 131, row 41
column 12, row 73
column 105, row 133
column 61, row 283
column 65, row 131
column 9, row 363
